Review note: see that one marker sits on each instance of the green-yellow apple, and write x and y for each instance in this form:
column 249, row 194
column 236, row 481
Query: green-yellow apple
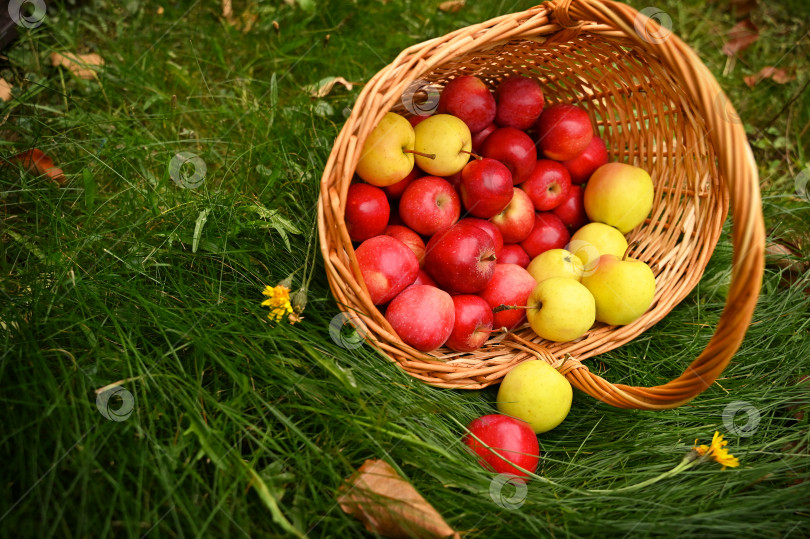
column 384, row 160
column 555, row 263
column 561, row 309
column 443, row 144
column 594, row 240
column 536, row 393
column 619, row 195
column 622, row 288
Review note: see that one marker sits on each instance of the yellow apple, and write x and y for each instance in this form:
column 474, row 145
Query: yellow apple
column 536, row 393
column 619, row 195
column 594, row 240
column 383, row 160
column 560, row 309
column 623, row 289
column 555, row 263
column 447, row 139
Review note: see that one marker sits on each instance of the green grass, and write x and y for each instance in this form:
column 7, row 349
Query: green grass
column 245, row 427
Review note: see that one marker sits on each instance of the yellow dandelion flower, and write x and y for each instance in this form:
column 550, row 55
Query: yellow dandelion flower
column 278, row 299
column 717, row 451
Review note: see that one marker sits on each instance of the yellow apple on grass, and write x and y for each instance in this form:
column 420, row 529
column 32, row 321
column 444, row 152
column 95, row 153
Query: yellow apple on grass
column 533, row 391
column 594, row 240
column 619, row 195
column 443, row 144
column 387, row 153
column 622, row 288
column 560, row 309
column 555, row 263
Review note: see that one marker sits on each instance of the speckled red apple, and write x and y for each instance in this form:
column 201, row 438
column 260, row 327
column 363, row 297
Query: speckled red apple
column 563, row 131
column 423, row 316
column 387, row 265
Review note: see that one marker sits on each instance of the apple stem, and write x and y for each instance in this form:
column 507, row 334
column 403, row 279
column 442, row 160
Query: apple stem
column 427, row 155
column 500, row 308
column 475, row 155
column 627, row 251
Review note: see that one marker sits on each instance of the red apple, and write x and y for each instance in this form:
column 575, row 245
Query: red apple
column 423, row 316
column 516, row 220
column 461, row 258
column 486, row 187
column 549, row 232
column 489, row 228
column 455, row 180
column 513, row 440
column 513, row 148
column 395, row 219
column 572, row 210
column 428, row 205
column 367, row 211
column 514, row 254
column 563, row 131
column 469, row 99
column 395, row 190
column 582, row 166
column 520, row 102
column 410, row 238
column 473, row 323
column 415, row 120
column 387, row 267
column 423, row 278
column 548, row 185
column 479, row 138
column 510, row 285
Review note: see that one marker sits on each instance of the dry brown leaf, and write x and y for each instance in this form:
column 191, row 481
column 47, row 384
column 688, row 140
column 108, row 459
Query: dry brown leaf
column 741, row 36
column 35, row 160
column 452, row 6
column 325, row 86
column 777, row 74
column 390, row 506
column 5, row 90
column 84, row 66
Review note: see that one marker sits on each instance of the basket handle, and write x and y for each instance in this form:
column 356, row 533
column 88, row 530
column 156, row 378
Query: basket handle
column 738, row 171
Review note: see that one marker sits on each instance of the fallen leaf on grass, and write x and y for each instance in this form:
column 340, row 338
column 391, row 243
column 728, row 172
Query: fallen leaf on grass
column 84, row 66
column 5, row 90
column 777, row 74
column 741, row 36
column 39, row 162
column 323, row 87
column 452, row 6
column 388, row 505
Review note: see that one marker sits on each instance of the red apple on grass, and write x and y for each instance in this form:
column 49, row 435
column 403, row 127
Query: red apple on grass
column 563, row 131
column 572, row 210
column 490, row 229
column 582, row 166
column 367, row 211
column 461, row 258
column 469, row 99
column 428, row 205
column 514, row 254
column 486, row 187
column 513, row 148
column 387, row 266
column 548, row 185
column 510, row 285
column 516, row 220
column 395, row 190
column 423, row 316
column 410, row 238
column 520, row 102
column 513, row 440
column 473, row 323
column 479, row 138
column 549, row 232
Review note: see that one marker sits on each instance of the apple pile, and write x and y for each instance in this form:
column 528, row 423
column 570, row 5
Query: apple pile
column 495, row 209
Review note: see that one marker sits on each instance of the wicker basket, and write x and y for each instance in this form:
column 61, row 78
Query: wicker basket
column 657, row 106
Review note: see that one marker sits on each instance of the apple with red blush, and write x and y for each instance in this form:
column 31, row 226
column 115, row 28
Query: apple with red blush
column 417, row 119
column 486, row 187
column 428, row 205
column 473, row 323
column 490, row 229
column 549, row 232
column 502, row 442
column 592, row 157
column 510, row 285
column 395, row 190
column 519, row 102
column 461, row 258
column 548, row 185
column 479, row 138
column 423, row 316
column 468, row 99
column 514, row 254
column 367, row 211
column 514, row 148
column 563, row 131
column 516, row 221
column 572, row 210
column 410, row 238
column 387, row 266
column 423, row 278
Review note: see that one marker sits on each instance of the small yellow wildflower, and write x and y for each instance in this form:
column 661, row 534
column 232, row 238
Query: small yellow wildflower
column 278, row 299
column 717, row 451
